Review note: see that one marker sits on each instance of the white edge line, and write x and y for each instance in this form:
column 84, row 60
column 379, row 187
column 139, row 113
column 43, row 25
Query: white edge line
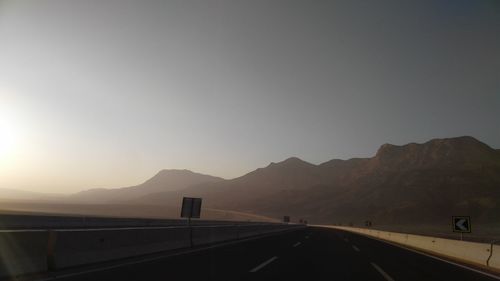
column 260, row 266
column 431, row 256
column 223, row 244
column 382, row 272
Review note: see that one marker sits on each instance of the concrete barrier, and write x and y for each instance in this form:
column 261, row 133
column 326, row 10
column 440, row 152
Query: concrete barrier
column 86, row 246
column 44, row 222
column 74, row 247
column 30, row 251
column 212, row 234
column 23, row 252
column 278, row 228
column 476, row 253
column 494, row 259
column 248, row 231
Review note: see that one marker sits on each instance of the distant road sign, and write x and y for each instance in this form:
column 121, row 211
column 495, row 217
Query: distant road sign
column 286, row 219
column 462, row 224
column 191, row 207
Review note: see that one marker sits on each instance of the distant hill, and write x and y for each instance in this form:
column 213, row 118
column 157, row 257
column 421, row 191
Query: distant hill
column 165, row 180
column 413, row 183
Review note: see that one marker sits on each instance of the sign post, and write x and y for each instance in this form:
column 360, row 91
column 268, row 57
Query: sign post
column 286, row 219
column 191, row 208
column 461, row 224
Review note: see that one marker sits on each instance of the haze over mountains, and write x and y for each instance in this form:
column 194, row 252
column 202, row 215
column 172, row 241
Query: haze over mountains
column 413, row 183
column 7, row 193
column 163, row 181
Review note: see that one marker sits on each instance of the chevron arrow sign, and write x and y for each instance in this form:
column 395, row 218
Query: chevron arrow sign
column 461, row 224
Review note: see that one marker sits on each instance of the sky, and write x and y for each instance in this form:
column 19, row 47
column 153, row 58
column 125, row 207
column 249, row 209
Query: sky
column 107, row 93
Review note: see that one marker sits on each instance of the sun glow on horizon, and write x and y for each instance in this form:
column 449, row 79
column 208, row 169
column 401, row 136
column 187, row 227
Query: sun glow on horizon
column 13, row 133
column 9, row 136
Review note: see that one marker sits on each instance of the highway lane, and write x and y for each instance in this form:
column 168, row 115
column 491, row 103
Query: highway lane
column 308, row 254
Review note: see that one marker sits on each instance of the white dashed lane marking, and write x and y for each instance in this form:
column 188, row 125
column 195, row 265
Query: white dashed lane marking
column 262, row 265
column 382, row 272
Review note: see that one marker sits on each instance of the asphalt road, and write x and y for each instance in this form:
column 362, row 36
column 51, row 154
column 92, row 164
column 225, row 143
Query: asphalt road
column 307, row 254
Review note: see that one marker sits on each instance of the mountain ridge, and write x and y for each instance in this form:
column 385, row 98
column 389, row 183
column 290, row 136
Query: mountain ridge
column 396, row 184
column 418, row 182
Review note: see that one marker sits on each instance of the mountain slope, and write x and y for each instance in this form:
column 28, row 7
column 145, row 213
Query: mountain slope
column 291, row 173
column 413, row 183
column 400, row 184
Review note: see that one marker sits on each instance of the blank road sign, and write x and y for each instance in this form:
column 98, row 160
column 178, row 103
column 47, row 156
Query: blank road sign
column 461, row 224
column 191, row 207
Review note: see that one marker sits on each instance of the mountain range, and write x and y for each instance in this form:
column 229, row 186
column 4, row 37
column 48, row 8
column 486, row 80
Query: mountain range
column 410, row 184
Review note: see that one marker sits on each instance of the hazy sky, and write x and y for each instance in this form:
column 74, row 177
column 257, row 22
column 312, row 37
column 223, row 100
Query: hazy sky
column 106, row 93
